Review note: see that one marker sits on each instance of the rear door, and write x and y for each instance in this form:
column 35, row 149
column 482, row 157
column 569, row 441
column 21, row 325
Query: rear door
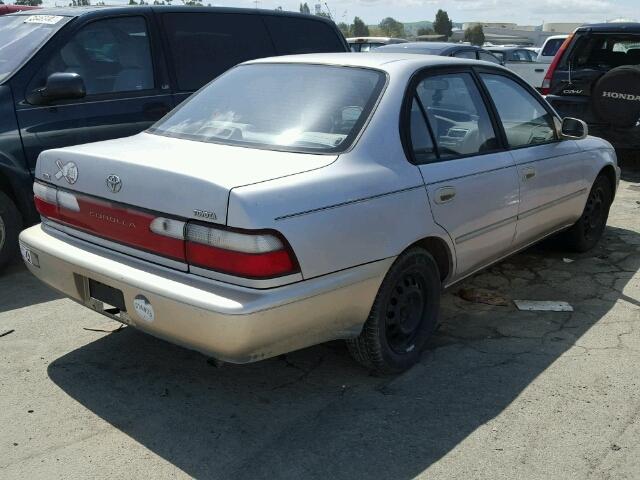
column 123, row 72
column 471, row 181
column 203, row 45
column 550, row 171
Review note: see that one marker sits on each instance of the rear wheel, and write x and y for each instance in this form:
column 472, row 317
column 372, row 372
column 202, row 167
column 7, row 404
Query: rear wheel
column 403, row 316
column 10, row 225
column 586, row 232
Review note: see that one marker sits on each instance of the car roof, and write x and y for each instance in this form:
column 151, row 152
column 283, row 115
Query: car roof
column 98, row 11
column 426, row 47
column 613, row 27
column 388, row 62
column 375, row 39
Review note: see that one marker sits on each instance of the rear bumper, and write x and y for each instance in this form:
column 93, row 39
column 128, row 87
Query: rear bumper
column 232, row 323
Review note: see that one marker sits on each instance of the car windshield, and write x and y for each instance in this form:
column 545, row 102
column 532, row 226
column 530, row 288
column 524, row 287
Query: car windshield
column 295, row 107
column 21, row 35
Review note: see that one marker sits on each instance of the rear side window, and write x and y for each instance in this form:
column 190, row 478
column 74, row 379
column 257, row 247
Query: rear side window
column 551, row 47
column 457, row 115
column 421, row 142
column 525, row 120
column 204, row 45
column 487, row 57
column 471, row 54
column 299, row 35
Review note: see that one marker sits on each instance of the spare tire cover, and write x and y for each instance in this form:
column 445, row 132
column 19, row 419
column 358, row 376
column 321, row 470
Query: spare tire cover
column 616, row 96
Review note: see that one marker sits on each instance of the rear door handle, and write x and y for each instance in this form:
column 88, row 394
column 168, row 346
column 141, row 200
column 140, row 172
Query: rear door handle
column 445, row 194
column 528, row 174
column 539, row 70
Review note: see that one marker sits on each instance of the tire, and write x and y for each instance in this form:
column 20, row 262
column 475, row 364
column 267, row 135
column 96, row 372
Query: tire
column 403, row 316
column 10, row 226
column 585, row 233
column 616, row 96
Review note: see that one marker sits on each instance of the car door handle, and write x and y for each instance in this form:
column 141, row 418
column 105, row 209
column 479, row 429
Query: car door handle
column 528, row 174
column 539, row 70
column 445, row 194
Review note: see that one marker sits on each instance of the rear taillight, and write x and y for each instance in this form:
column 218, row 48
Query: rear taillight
column 546, row 83
column 243, row 253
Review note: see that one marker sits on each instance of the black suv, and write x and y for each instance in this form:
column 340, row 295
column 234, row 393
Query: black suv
column 595, row 76
column 78, row 75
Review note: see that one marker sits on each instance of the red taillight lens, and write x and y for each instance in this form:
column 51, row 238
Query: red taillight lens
column 546, row 83
column 246, row 254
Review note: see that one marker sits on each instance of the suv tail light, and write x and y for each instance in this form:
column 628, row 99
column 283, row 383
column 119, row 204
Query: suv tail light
column 546, row 83
column 244, row 253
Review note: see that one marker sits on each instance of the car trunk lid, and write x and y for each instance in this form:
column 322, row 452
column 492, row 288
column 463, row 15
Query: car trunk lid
column 176, row 177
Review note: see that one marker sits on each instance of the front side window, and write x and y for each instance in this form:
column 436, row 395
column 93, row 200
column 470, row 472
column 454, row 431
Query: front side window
column 296, row 107
column 525, row 120
column 111, row 56
column 302, row 35
column 457, row 115
column 22, row 35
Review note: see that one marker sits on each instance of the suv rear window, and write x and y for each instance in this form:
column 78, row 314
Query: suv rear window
column 204, row 45
column 291, row 107
column 605, row 51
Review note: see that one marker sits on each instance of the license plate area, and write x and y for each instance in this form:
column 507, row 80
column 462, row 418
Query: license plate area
column 111, row 297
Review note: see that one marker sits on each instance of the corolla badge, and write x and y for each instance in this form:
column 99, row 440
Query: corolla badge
column 114, row 183
column 68, row 171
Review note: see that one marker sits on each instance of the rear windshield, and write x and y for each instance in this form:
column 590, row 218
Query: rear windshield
column 605, row 51
column 21, row 36
column 295, row 107
column 551, row 47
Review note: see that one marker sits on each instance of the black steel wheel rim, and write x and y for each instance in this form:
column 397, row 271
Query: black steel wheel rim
column 405, row 311
column 594, row 212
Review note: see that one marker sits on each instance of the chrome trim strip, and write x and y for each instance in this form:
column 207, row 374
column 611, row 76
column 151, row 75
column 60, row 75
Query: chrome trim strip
column 349, row 202
column 118, row 247
column 553, row 203
column 483, row 230
column 506, row 255
column 246, row 282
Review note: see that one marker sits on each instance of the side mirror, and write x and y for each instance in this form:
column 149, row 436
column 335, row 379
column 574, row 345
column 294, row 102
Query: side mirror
column 59, row 86
column 573, row 128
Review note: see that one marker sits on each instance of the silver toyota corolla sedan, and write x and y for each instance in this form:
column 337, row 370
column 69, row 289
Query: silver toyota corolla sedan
column 296, row 200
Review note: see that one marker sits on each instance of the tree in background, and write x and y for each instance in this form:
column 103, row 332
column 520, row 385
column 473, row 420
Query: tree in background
column 442, row 24
column 304, row 8
column 425, row 31
column 474, row 35
column 30, row 3
column 74, row 3
column 391, row 27
column 344, row 28
column 358, row 28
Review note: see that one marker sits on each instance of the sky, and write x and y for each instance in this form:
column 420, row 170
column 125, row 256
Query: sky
column 523, row 12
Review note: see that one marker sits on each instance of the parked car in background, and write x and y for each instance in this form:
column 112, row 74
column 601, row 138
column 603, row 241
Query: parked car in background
column 550, row 47
column 596, row 77
column 521, row 61
column 302, row 199
column 6, row 9
column 78, row 75
column 443, row 49
column 365, row 44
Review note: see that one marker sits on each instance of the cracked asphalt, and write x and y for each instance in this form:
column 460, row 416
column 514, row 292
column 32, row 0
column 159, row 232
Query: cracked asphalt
column 500, row 393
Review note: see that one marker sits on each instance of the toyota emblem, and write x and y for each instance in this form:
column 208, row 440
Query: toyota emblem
column 114, row 183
